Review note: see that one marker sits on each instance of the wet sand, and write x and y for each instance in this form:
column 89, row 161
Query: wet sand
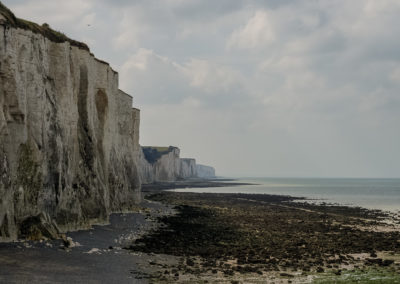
column 96, row 255
column 190, row 183
column 99, row 256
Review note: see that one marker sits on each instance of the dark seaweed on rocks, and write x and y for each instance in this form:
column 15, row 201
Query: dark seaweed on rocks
column 191, row 225
column 262, row 232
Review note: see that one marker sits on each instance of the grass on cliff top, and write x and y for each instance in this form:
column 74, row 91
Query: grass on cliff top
column 153, row 154
column 44, row 29
column 159, row 149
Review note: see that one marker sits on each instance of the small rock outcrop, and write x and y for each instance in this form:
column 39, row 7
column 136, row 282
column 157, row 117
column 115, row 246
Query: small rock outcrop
column 205, row 171
column 69, row 139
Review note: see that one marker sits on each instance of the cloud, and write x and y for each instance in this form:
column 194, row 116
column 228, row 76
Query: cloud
column 212, row 78
column 55, row 12
column 395, row 75
column 258, row 32
column 156, row 79
column 277, row 87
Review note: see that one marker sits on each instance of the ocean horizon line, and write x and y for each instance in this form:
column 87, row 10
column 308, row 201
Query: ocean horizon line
column 303, row 177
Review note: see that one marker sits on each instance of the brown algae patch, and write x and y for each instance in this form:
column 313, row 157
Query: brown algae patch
column 232, row 237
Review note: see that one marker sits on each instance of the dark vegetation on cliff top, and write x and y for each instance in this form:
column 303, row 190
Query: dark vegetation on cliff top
column 152, row 154
column 44, row 29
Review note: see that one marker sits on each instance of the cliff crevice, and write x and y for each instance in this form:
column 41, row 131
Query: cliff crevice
column 69, row 138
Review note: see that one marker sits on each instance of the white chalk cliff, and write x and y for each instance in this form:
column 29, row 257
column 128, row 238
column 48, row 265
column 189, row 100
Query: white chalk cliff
column 69, row 139
column 188, row 168
column 159, row 164
column 205, row 171
column 165, row 164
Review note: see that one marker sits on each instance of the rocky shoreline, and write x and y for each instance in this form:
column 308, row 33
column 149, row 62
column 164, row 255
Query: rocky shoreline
column 249, row 238
column 96, row 255
column 216, row 238
column 189, row 183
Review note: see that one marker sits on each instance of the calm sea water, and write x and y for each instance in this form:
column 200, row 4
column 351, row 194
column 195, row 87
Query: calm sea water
column 381, row 194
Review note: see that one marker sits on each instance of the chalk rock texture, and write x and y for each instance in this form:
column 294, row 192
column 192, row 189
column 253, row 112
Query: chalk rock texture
column 69, row 139
column 164, row 164
column 188, row 168
column 160, row 164
column 205, row 171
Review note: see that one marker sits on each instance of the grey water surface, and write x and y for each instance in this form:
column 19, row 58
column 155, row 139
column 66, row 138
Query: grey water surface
column 383, row 194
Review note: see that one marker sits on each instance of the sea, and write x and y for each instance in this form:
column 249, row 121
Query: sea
column 382, row 193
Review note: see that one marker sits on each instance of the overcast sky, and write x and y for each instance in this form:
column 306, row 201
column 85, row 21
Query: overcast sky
column 253, row 88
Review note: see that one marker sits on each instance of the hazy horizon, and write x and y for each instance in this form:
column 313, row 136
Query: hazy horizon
column 253, row 88
column 303, row 177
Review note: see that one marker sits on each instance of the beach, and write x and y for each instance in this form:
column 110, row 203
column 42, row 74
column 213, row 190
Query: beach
column 199, row 141
column 189, row 237
column 258, row 238
column 87, row 256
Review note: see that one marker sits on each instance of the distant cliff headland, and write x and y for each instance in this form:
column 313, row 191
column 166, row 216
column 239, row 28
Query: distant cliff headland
column 69, row 138
column 165, row 164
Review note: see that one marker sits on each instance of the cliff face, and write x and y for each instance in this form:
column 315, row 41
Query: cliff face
column 164, row 164
column 205, row 171
column 160, row 164
column 68, row 137
column 188, row 168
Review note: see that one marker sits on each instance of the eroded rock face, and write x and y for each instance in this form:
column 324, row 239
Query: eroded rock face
column 188, row 168
column 164, row 164
column 68, row 137
column 160, row 165
column 205, row 171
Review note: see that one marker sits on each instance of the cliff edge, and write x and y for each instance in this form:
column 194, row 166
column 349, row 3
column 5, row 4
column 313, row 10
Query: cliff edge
column 69, row 139
column 165, row 164
column 205, row 171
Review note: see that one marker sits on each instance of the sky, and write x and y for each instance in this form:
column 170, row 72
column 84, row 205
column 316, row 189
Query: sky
column 273, row 88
